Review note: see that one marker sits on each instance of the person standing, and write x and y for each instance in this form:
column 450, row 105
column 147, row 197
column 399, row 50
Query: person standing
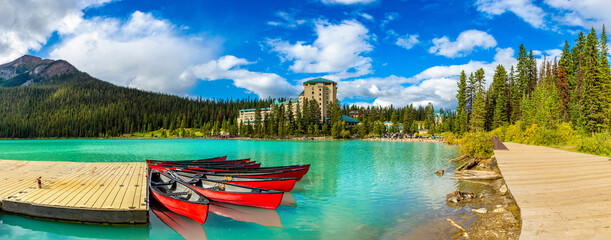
column 39, row 182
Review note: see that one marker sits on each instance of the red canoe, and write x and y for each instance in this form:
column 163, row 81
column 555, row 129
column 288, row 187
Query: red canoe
column 214, row 159
column 250, row 164
column 300, row 170
column 178, row 196
column 278, row 184
column 184, row 226
column 294, row 173
column 231, row 193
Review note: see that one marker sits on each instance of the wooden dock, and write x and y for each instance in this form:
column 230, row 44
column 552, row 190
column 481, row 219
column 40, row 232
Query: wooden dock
column 561, row 194
column 111, row 192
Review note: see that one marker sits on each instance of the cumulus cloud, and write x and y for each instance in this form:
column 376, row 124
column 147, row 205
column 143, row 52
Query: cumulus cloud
column 407, row 41
column 27, row 24
column 228, row 67
column 586, row 13
column 346, row 2
column 435, row 84
column 524, row 9
column 142, row 52
column 464, row 44
column 339, row 48
column 149, row 53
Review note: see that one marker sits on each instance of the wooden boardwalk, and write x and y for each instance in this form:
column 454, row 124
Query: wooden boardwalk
column 93, row 192
column 561, row 194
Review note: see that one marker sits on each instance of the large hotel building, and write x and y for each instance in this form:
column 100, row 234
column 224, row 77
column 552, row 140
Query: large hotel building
column 322, row 90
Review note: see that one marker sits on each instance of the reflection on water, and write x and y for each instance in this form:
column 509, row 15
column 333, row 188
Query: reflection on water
column 186, row 227
column 288, row 200
column 20, row 227
column 263, row 217
column 354, row 189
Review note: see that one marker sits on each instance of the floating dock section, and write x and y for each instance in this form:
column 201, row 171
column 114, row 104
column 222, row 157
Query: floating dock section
column 113, row 192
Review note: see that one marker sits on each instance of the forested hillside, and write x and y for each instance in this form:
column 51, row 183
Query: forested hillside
column 74, row 104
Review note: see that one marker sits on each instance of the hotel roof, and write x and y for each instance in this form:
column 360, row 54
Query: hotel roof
column 319, row 80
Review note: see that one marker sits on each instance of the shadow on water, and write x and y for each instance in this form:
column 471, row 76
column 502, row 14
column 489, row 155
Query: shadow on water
column 21, row 227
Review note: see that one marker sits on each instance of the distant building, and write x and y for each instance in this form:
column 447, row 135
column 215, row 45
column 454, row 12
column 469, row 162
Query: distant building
column 350, row 122
column 354, row 114
column 440, row 116
column 322, row 90
column 388, row 124
column 247, row 116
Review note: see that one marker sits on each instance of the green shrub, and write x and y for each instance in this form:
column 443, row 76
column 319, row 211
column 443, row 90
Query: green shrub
column 598, row 144
column 451, row 139
column 345, row 134
column 477, row 144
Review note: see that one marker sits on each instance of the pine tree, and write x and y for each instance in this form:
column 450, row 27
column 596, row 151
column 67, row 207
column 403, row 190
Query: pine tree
column 461, row 121
column 499, row 96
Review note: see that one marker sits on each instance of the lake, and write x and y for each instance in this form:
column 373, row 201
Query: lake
column 354, row 189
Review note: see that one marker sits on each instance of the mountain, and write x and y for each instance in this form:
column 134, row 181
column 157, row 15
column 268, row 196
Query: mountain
column 52, row 98
column 28, row 70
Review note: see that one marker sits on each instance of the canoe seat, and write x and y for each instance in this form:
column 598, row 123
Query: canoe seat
column 162, row 183
column 176, row 194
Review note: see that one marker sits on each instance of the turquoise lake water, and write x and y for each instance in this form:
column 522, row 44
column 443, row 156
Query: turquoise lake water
column 354, row 189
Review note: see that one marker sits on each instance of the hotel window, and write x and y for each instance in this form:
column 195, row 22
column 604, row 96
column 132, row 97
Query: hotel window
column 312, row 92
column 312, row 88
column 312, row 97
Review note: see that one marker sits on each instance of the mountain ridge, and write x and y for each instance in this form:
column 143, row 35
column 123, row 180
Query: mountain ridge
column 28, row 69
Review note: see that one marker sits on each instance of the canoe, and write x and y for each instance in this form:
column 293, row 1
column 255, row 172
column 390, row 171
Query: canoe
column 251, row 164
column 184, row 226
column 292, row 173
column 161, row 166
column 214, row 159
column 193, row 162
column 231, row 193
column 278, row 184
column 261, row 169
column 178, row 196
column 301, row 170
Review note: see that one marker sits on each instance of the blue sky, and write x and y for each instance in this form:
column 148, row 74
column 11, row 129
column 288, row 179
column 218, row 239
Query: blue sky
column 380, row 52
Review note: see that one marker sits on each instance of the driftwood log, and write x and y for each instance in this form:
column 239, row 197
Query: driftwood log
column 475, row 175
column 461, row 158
column 468, row 165
column 440, row 172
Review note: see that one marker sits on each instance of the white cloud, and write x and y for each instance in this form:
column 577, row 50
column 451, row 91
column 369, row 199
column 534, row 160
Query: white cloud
column 27, row 24
column 366, row 16
column 287, row 20
column 464, row 44
column 389, row 17
column 436, row 84
column 524, row 9
column 142, row 52
column 337, row 49
column 407, row 41
column 584, row 13
column 346, row 2
column 148, row 53
column 227, row 67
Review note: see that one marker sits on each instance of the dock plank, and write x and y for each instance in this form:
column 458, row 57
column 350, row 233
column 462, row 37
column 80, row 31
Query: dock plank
column 561, row 195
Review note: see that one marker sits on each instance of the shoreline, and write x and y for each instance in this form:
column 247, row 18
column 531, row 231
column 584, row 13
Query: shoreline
column 325, row 138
